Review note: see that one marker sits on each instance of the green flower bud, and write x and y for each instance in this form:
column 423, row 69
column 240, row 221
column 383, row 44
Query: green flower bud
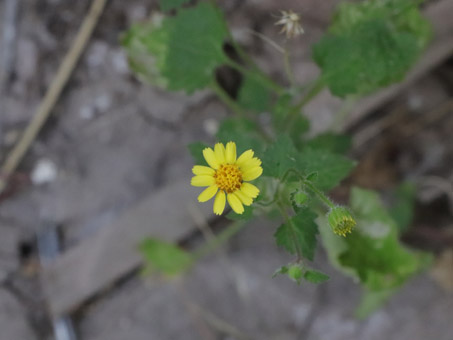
column 341, row 221
column 295, row 273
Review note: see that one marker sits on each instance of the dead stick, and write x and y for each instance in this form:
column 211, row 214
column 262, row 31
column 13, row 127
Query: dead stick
column 53, row 93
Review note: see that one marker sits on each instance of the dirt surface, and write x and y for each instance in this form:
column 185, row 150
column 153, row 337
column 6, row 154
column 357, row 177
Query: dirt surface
column 113, row 141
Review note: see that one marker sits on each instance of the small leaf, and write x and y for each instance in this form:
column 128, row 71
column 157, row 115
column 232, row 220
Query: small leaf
column 282, row 270
column 279, row 157
column 314, row 276
column 312, row 176
column 196, row 150
column 299, row 234
column 165, row 257
column 371, row 44
column 166, row 5
column 179, row 52
column 331, row 168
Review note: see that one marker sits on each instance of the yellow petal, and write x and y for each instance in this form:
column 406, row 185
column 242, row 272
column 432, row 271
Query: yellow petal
column 252, row 173
column 245, row 199
column 250, row 164
column 219, row 203
column 219, row 151
column 203, row 170
column 210, row 157
column 208, row 193
column 230, row 152
column 235, row 203
column 202, row 181
column 250, row 190
column 247, row 155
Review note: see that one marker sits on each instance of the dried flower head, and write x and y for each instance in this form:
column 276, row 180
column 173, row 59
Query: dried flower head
column 226, row 177
column 291, row 24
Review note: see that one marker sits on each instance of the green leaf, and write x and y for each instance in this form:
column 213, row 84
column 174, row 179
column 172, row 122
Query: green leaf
column 196, row 150
column 179, row 52
column 370, row 44
column 372, row 253
column 282, row 270
column 279, row 157
column 242, row 131
column 335, row 143
column 166, row 5
column 282, row 156
column 164, row 257
column 253, row 95
column 245, row 216
column 402, row 208
column 315, row 276
column 331, row 168
column 299, row 233
column 372, row 300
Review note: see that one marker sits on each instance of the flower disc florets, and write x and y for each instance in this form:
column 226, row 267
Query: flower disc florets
column 341, row 221
column 226, row 177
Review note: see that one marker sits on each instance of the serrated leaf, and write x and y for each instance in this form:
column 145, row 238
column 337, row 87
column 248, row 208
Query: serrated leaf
column 372, row 252
column 331, row 168
column 196, row 150
column 335, row 143
column 166, row 5
column 282, row 156
column 179, row 52
column 300, row 233
column 165, row 257
column 370, row 44
column 279, row 157
column 315, row 276
column 254, row 96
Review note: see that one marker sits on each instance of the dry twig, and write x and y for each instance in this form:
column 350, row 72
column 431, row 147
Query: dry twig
column 44, row 109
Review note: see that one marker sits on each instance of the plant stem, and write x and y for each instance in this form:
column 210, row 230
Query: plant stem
column 290, row 225
column 288, row 69
column 257, row 75
column 221, row 238
column 311, row 186
column 318, row 86
column 221, row 93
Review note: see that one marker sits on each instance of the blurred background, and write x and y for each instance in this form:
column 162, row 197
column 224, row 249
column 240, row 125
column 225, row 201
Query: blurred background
column 111, row 166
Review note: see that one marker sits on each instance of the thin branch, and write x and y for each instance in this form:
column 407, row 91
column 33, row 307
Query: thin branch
column 44, row 109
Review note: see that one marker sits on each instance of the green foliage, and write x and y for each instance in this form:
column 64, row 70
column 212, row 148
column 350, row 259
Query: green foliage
column 254, row 96
column 372, row 253
column 298, row 199
column 370, row 45
column 180, row 52
column 166, row 5
column 315, row 276
column 164, row 257
column 282, row 156
column 299, row 234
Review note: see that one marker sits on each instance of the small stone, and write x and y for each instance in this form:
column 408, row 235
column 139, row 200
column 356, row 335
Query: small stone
column 45, row 171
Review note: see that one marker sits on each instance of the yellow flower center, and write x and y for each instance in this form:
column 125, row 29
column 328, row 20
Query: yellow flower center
column 228, row 177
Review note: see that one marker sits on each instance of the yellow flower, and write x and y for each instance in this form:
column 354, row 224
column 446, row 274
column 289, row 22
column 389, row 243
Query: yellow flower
column 226, row 177
column 291, row 24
